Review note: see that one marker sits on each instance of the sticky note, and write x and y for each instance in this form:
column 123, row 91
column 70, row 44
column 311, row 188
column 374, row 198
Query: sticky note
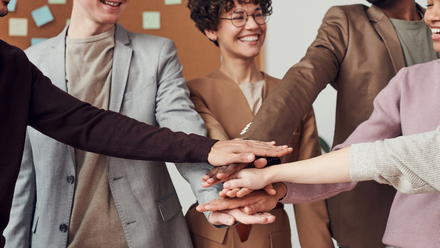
column 18, row 26
column 11, row 6
column 57, row 1
column 170, row 2
column 67, row 21
column 35, row 41
column 151, row 20
column 42, row 16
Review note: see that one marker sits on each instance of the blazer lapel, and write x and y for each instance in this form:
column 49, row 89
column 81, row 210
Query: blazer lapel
column 232, row 104
column 121, row 66
column 58, row 57
column 386, row 31
column 58, row 75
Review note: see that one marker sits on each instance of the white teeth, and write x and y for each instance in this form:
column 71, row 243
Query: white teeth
column 111, row 3
column 249, row 38
column 435, row 30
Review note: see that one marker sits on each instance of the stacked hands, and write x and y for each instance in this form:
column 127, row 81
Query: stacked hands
column 247, row 194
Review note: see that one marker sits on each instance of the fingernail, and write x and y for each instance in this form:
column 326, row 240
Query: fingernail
column 226, row 185
column 249, row 157
column 229, row 221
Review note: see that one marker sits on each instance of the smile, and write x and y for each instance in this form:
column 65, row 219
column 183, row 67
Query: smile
column 113, row 4
column 249, row 38
column 435, row 30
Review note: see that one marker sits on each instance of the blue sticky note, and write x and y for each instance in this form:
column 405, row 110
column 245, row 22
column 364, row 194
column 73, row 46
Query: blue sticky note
column 11, row 6
column 42, row 16
column 35, row 41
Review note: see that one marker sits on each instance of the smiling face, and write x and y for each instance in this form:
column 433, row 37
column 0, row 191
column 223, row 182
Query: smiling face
column 3, row 7
column 244, row 42
column 432, row 19
column 99, row 12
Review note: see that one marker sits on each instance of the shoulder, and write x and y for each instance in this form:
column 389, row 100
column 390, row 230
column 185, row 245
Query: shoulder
column 147, row 40
column 348, row 9
column 420, row 74
column 198, row 84
column 11, row 54
column 346, row 13
column 39, row 52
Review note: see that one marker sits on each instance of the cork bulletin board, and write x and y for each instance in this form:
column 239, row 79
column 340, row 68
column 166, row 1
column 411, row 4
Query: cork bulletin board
column 198, row 55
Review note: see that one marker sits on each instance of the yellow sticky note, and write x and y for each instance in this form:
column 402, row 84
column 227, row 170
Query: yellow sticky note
column 18, row 26
column 171, row 2
column 151, row 20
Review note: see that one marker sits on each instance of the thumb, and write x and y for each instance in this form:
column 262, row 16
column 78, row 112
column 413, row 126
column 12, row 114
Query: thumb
column 270, row 190
column 244, row 158
column 220, row 218
column 235, row 183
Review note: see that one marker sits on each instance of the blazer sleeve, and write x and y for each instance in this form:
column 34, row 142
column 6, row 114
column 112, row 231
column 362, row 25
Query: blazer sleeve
column 175, row 110
column 18, row 231
column 215, row 128
column 283, row 110
column 312, row 220
column 384, row 123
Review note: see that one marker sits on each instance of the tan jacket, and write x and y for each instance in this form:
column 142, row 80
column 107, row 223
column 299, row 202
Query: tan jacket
column 357, row 51
column 226, row 112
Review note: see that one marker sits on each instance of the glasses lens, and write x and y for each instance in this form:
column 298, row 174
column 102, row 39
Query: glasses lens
column 259, row 17
column 238, row 18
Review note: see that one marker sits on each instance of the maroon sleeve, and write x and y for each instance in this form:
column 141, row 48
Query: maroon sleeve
column 78, row 124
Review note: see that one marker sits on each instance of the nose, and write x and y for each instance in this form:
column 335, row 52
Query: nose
column 432, row 14
column 251, row 23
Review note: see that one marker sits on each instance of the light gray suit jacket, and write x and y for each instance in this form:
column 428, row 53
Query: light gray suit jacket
column 147, row 84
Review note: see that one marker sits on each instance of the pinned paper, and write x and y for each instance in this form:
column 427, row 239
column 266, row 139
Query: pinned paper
column 11, row 6
column 35, row 41
column 57, row 1
column 151, row 20
column 67, row 21
column 171, row 2
column 18, row 26
column 42, row 16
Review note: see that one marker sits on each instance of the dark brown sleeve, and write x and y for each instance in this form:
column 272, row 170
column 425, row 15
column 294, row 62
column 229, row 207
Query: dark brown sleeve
column 292, row 98
column 78, row 124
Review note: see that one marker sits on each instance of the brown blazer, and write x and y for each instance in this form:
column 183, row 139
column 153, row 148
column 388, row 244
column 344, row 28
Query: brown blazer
column 357, row 51
column 226, row 112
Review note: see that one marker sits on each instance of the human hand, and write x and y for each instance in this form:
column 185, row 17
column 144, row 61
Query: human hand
column 228, row 217
column 220, row 174
column 243, row 151
column 248, row 178
column 241, row 192
column 257, row 201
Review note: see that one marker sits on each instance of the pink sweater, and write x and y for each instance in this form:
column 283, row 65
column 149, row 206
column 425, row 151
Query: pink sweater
column 410, row 104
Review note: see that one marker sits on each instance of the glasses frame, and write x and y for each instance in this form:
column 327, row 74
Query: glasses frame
column 266, row 18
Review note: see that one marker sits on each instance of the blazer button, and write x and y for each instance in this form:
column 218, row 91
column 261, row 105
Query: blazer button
column 63, row 228
column 70, row 179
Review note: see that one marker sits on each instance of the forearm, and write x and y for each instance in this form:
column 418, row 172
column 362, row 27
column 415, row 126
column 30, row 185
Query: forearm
column 409, row 163
column 329, row 168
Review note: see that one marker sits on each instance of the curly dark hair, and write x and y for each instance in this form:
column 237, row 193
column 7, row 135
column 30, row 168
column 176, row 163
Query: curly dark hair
column 205, row 13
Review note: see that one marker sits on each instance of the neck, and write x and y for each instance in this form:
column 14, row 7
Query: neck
column 82, row 27
column 241, row 71
column 400, row 9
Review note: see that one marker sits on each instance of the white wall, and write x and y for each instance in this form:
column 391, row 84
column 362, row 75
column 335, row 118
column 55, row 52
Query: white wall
column 291, row 29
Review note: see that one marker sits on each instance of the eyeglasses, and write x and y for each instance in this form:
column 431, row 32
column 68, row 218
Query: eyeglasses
column 239, row 17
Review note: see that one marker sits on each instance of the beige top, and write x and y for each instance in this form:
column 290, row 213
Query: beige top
column 253, row 92
column 94, row 221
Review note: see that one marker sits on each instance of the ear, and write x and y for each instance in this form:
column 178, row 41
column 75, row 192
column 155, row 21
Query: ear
column 212, row 35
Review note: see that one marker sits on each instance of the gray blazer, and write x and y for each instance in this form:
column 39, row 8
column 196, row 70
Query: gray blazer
column 147, row 84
